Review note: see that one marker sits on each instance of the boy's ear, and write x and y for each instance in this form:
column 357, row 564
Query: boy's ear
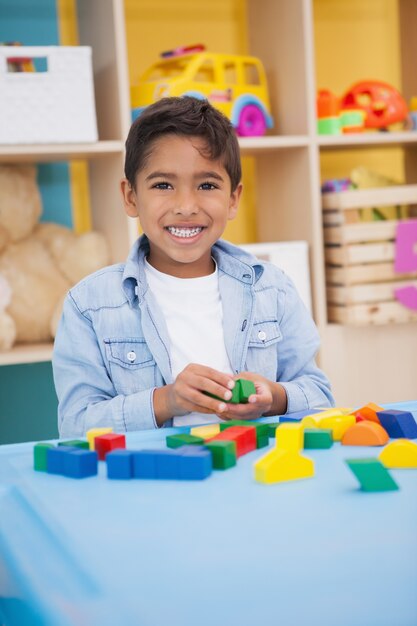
column 129, row 198
column 234, row 201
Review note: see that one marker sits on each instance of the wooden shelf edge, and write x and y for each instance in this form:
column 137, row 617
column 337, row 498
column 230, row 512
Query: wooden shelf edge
column 30, row 353
column 253, row 145
column 59, row 152
column 366, row 140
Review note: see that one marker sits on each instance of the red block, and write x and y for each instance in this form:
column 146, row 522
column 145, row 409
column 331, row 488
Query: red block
column 244, row 436
column 108, row 442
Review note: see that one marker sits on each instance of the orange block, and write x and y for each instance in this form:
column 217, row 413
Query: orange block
column 368, row 412
column 365, row 433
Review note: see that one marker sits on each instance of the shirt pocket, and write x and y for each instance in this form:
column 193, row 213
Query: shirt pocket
column 262, row 355
column 131, row 364
column 265, row 334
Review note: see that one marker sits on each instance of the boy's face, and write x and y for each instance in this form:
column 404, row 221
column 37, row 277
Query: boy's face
column 183, row 201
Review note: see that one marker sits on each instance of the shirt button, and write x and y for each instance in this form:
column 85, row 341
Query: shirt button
column 131, row 356
column 262, row 335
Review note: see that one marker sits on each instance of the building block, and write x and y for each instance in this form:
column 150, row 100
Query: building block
column 369, row 412
column 331, row 412
column 96, row 432
column 79, row 463
column 310, row 422
column 75, row 443
column 205, row 432
column 245, row 437
column 184, row 439
column 338, row 424
column 272, row 429
column 247, row 388
column 105, row 443
column 317, row 439
column 262, row 430
column 223, row 454
column 365, row 433
column 144, row 463
column 55, row 458
column 40, row 456
column 195, row 463
column 290, row 437
column 119, row 464
column 398, row 423
column 372, row 475
column 401, row 453
column 240, row 392
column 281, row 465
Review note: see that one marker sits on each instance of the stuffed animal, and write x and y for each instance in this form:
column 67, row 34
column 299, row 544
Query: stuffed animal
column 39, row 262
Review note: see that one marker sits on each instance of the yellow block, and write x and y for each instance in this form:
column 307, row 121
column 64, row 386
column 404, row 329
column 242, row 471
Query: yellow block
column 336, row 410
column 310, row 422
column 290, row 437
column 338, row 425
column 326, row 413
column 206, row 432
column 280, row 465
column 399, row 453
column 96, row 432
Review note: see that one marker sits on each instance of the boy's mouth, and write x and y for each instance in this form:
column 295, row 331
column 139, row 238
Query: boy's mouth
column 184, row 232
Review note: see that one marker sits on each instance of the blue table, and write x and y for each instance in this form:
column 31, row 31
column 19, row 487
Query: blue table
column 224, row 551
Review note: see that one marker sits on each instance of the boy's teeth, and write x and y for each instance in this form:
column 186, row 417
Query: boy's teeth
column 184, row 232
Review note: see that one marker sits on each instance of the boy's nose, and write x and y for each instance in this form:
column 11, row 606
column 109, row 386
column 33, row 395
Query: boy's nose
column 186, row 204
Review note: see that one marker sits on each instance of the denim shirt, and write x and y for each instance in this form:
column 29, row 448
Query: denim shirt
column 112, row 348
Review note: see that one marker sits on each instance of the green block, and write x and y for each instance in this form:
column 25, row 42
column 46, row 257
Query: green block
column 240, row 392
column 247, row 388
column 272, row 428
column 372, row 475
column 328, row 126
column 318, row 439
column 223, row 453
column 75, row 443
column 175, row 441
column 40, row 451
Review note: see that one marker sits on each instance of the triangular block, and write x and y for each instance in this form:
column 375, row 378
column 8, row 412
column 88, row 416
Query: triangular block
column 369, row 412
column 398, row 424
column 400, row 453
column 365, row 433
column 372, row 475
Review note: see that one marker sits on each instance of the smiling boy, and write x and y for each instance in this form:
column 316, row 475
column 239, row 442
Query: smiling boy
column 139, row 343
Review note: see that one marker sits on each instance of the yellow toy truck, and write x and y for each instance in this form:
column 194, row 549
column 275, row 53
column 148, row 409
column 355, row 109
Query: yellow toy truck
column 234, row 84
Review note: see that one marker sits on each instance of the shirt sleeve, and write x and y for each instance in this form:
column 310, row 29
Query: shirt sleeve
column 304, row 382
column 87, row 397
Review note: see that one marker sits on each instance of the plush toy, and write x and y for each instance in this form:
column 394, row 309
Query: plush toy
column 38, row 262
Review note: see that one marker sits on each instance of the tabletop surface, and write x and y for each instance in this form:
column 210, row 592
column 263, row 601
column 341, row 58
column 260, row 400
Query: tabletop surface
column 225, row 550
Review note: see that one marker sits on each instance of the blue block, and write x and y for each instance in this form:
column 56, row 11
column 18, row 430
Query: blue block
column 55, row 458
column 297, row 416
column 398, row 423
column 195, row 463
column 119, row 464
column 79, row 463
column 144, row 463
column 167, row 463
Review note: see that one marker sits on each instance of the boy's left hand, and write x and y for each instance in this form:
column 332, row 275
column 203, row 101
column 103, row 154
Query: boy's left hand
column 258, row 403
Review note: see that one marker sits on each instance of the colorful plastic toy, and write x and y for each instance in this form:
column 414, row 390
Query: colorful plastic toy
column 234, row 84
column 382, row 103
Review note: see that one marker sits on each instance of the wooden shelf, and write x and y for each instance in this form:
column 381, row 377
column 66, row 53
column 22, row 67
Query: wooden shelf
column 257, row 145
column 31, row 353
column 58, row 152
column 366, row 140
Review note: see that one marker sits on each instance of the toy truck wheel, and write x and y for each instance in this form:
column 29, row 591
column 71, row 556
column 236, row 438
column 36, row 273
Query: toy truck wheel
column 251, row 122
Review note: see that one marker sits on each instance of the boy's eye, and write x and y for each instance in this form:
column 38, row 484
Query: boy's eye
column 208, row 186
column 161, row 186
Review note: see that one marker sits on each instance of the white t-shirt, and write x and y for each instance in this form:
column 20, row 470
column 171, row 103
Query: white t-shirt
column 193, row 312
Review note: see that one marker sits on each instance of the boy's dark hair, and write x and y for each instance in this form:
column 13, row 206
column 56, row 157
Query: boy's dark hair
column 184, row 116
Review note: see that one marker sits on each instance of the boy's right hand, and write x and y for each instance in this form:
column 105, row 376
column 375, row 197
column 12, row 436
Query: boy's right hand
column 186, row 395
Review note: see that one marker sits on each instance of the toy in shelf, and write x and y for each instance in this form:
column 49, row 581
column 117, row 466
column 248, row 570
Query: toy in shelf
column 368, row 104
column 371, row 263
column 332, row 121
column 39, row 262
column 234, row 84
